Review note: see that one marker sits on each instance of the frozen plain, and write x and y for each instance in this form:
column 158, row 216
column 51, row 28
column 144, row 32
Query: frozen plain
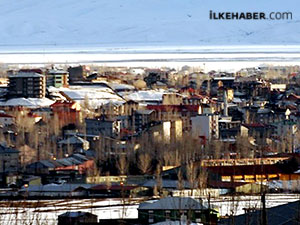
column 46, row 211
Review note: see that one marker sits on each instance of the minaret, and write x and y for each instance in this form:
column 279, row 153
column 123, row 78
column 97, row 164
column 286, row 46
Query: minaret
column 225, row 103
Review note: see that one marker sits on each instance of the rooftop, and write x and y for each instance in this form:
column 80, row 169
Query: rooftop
column 75, row 214
column 4, row 149
column 182, row 203
column 29, row 75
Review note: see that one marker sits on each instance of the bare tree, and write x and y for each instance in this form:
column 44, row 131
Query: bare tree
column 180, row 180
column 217, row 149
column 158, row 186
column 243, row 147
column 144, row 162
column 192, row 175
column 122, row 165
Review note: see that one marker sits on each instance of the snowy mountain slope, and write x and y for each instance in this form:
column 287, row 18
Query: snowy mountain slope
column 36, row 24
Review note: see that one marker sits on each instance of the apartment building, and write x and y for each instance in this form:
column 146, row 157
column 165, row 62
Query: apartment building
column 27, row 85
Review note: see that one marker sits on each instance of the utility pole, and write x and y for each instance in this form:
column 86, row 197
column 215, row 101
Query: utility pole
column 264, row 212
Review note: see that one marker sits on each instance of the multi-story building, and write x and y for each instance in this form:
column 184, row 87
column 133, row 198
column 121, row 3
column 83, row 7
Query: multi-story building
column 103, row 126
column 9, row 159
column 67, row 112
column 205, row 127
column 142, row 118
column 57, row 78
column 27, row 85
column 77, row 74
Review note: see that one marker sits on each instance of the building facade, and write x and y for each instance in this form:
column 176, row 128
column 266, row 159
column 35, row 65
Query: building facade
column 57, row 78
column 9, row 159
column 205, row 126
column 27, row 85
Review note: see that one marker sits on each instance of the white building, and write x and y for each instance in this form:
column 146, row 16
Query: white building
column 137, row 71
column 168, row 132
column 205, row 126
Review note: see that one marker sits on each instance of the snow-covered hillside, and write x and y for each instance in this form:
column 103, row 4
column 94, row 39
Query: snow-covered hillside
column 73, row 24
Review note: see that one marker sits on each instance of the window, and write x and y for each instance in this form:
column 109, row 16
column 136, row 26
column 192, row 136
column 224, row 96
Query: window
column 183, row 216
column 198, row 220
column 151, row 216
column 167, row 215
column 198, row 216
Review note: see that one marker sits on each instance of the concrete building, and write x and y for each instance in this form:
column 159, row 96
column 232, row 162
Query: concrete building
column 205, row 126
column 77, row 74
column 73, row 143
column 169, row 209
column 172, row 99
column 27, row 85
column 142, row 118
column 9, row 159
column 57, row 78
column 102, row 126
column 168, row 131
column 228, row 129
column 67, row 112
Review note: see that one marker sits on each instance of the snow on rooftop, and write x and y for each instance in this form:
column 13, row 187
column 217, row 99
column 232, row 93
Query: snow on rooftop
column 149, row 95
column 237, row 100
column 60, row 71
column 28, row 102
column 224, row 78
column 29, row 74
column 117, row 86
column 96, row 95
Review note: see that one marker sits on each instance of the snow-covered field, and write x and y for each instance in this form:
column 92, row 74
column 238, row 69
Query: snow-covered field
column 47, row 211
column 69, row 24
column 230, row 61
column 237, row 204
column 44, row 211
column 151, row 33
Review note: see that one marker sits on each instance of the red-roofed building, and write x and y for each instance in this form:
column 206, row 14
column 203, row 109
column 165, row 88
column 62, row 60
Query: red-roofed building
column 67, row 112
column 175, row 112
column 257, row 130
column 34, row 117
column 82, row 168
column 174, row 108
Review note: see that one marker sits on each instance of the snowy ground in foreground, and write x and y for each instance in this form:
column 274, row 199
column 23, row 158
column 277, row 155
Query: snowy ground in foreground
column 112, row 208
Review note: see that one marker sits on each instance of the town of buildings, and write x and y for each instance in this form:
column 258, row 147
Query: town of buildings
column 175, row 135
